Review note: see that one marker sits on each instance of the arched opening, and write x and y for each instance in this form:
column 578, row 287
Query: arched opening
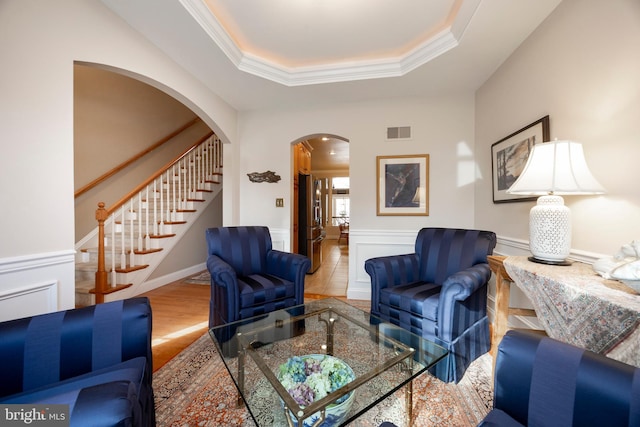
column 125, row 131
column 320, row 208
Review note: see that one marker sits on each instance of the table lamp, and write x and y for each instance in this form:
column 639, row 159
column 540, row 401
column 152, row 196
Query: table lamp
column 553, row 169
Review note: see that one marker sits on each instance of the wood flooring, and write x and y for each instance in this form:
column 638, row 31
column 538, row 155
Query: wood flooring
column 180, row 316
column 181, row 310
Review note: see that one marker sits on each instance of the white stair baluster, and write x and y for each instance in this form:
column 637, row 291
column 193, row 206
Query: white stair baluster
column 161, row 210
column 168, row 217
column 173, row 193
column 191, row 176
column 112, row 250
column 212, row 157
column 200, row 164
column 123, row 256
column 207, row 160
column 215, row 155
column 147, row 238
column 185, row 182
column 188, row 187
column 155, row 209
column 180, row 201
column 132, row 215
column 139, row 221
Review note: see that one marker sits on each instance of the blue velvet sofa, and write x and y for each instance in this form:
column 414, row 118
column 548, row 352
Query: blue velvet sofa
column 95, row 359
column 543, row 382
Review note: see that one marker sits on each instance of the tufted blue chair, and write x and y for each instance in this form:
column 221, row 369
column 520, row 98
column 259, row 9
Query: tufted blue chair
column 439, row 292
column 248, row 277
column 543, row 382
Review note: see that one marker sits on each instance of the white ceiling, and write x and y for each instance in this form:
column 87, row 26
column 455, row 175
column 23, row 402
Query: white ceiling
column 278, row 53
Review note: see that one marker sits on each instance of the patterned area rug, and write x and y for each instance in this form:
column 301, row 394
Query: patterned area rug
column 195, row 389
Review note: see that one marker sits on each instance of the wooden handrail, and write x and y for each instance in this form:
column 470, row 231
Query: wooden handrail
column 102, row 214
column 160, row 171
column 137, row 156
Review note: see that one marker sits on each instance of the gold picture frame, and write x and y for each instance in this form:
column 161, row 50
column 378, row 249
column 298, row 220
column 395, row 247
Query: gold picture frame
column 402, row 185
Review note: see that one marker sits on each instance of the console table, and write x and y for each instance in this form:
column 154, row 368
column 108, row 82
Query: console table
column 577, row 306
column 503, row 309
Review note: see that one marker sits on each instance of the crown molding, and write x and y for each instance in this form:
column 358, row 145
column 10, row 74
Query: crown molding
column 339, row 71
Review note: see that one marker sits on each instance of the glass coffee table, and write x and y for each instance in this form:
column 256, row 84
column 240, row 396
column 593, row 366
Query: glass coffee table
column 382, row 358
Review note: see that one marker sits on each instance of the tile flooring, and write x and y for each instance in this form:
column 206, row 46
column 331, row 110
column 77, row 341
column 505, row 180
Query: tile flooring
column 332, row 277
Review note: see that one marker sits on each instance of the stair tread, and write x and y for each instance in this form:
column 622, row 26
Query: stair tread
column 127, row 251
column 130, row 268
column 146, row 251
column 93, row 266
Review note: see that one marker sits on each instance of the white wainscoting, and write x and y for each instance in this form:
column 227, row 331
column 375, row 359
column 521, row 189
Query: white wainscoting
column 365, row 244
column 35, row 284
column 280, row 239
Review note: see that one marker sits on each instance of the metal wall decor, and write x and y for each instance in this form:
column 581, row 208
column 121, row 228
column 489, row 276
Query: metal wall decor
column 267, row 176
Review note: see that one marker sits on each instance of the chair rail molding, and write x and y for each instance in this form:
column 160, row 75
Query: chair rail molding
column 518, row 247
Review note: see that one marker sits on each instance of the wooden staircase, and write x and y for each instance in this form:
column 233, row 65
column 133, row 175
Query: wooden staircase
column 136, row 234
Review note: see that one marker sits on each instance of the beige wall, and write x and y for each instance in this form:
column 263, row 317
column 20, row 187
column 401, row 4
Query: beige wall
column 442, row 127
column 116, row 117
column 582, row 68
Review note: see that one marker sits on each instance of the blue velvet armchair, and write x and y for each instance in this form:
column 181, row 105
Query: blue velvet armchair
column 248, row 277
column 439, row 292
column 543, row 382
column 94, row 360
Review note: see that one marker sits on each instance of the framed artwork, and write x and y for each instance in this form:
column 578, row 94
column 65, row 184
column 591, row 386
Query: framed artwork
column 510, row 154
column 403, row 185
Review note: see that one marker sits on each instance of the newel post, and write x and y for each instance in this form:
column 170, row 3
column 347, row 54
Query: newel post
column 101, row 275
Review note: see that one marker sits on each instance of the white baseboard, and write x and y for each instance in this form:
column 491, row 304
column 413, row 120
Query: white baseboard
column 158, row 282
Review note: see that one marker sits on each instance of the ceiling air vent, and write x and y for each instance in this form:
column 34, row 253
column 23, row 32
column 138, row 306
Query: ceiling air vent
column 399, row 132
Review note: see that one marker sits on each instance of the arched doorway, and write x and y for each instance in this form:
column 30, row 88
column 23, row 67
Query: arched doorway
column 318, row 207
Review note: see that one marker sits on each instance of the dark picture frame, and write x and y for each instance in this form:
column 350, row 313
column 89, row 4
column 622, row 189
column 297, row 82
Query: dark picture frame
column 402, row 185
column 510, row 154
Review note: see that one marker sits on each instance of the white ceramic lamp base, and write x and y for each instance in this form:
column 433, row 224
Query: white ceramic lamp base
column 550, row 231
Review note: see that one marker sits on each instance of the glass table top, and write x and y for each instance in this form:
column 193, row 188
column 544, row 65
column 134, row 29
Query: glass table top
column 384, row 358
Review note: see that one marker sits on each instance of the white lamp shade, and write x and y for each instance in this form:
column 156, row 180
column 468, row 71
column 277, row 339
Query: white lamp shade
column 553, row 169
column 556, row 167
